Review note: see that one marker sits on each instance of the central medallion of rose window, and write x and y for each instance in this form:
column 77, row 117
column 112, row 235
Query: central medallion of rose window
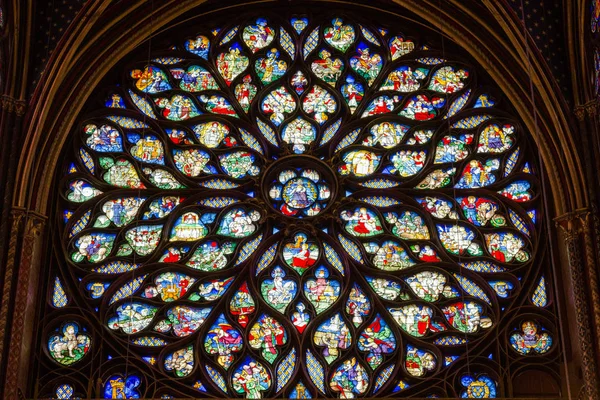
column 300, row 192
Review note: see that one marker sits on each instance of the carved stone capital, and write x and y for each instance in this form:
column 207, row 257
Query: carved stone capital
column 570, row 224
column 579, row 112
column 11, row 105
column 589, row 109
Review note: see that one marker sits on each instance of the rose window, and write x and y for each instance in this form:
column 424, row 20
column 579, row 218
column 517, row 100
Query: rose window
column 301, row 207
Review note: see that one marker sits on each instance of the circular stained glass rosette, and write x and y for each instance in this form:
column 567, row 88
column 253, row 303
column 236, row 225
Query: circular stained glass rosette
column 314, row 208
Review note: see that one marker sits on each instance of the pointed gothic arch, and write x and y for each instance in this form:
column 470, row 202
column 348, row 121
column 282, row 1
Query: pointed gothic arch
column 550, row 132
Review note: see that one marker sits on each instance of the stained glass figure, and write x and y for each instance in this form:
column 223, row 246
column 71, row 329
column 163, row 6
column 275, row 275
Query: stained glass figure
column 181, row 361
column 258, row 35
column 300, row 254
column 267, row 334
column 377, row 340
column 339, row 35
column 353, row 92
column 327, row 68
column 224, row 340
column 278, row 292
column 367, row 63
column 251, row 379
column 349, row 379
column 69, row 345
column 419, row 362
column 231, row 63
column 334, row 335
column 528, row 340
column 358, row 305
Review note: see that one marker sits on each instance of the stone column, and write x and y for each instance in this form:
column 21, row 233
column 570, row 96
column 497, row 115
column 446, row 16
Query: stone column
column 19, row 300
column 571, row 229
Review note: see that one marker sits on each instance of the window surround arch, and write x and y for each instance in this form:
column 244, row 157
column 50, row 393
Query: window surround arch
column 63, row 92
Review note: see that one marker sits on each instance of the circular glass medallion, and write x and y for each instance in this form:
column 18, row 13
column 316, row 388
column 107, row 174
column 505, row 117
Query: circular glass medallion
column 300, row 193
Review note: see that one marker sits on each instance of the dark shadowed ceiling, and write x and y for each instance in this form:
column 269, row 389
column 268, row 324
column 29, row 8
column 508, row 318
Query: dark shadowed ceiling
column 542, row 20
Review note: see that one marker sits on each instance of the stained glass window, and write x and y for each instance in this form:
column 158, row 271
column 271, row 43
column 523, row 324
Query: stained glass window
column 595, row 15
column 308, row 206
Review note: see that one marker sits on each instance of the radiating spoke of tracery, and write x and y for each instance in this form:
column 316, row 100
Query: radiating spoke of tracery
column 305, row 208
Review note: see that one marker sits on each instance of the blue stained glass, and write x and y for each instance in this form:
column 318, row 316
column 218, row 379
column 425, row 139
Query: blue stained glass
column 380, row 201
column 128, row 289
column 480, row 387
column 540, row 297
column 299, row 24
column 330, row 132
column 229, row 35
column 217, row 378
column 533, row 215
column 142, row 104
column 87, row 160
column 248, row 249
column 120, row 386
column 251, row 141
column 470, row 122
column 218, row 183
column 81, row 223
column 59, row 297
column 518, row 222
column 511, row 162
column 267, row 132
column 379, row 183
column 383, row 377
column 287, row 42
column 502, row 288
column 450, row 359
column 347, row 140
column 266, row 259
column 351, row 248
column 369, row 36
column 458, row 104
column 127, row 122
column 315, row 371
column 167, row 60
column 199, row 386
column 484, row 101
column 401, row 386
column 218, row 202
column 450, row 341
column 431, row 60
column 115, row 101
column 482, row 266
column 97, row 289
column 472, row 288
column 300, row 392
column 333, row 258
column 311, row 42
column 64, row 392
column 285, row 369
column 116, row 267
